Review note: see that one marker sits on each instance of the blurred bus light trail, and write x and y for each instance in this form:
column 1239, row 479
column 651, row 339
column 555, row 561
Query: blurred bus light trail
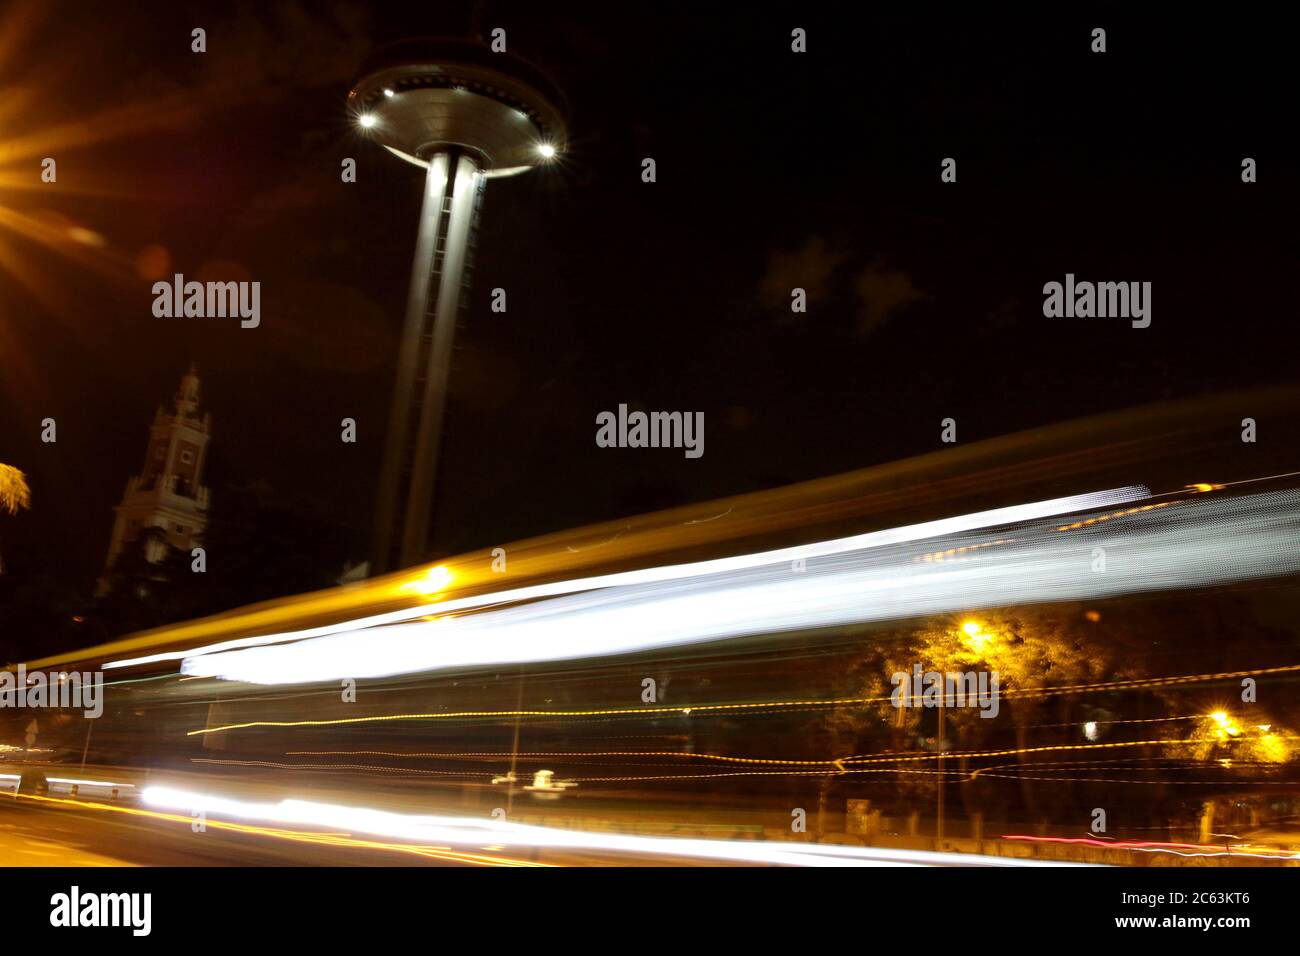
column 778, row 558
column 471, row 831
column 1198, row 544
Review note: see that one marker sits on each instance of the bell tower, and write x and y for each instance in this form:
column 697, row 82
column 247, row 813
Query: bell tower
column 168, row 494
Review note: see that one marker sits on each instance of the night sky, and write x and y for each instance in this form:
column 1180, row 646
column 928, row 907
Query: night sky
column 775, row 170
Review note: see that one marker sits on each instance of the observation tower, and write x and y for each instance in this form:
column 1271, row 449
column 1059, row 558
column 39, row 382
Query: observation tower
column 465, row 114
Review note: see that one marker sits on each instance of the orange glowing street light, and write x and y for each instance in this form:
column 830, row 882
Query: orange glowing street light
column 1226, row 724
column 976, row 638
column 433, row 581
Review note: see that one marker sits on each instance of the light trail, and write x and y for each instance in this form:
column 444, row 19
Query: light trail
column 547, row 755
column 476, row 714
column 772, row 706
column 280, row 765
column 1146, row 846
column 1146, row 783
column 480, row 832
column 680, row 572
column 445, row 854
column 1109, row 844
column 868, row 578
column 840, row 766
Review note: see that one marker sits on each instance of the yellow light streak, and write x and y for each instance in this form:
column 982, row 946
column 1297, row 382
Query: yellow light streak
column 298, row 836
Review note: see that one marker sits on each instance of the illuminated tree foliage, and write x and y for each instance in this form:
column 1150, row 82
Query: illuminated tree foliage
column 1230, row 740
column 1061, row 733
column 1033, row 650
column 14, row 493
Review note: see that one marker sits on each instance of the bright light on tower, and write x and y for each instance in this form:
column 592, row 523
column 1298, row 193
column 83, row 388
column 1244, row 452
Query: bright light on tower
column 546, row 151
column 367, row 120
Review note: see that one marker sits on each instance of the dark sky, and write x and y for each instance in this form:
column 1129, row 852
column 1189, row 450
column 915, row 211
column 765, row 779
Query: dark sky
column 775, row 170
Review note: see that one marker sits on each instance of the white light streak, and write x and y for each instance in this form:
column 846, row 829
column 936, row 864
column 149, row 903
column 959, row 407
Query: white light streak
column 478, row 832
column 780, row 557
column 1195, row 543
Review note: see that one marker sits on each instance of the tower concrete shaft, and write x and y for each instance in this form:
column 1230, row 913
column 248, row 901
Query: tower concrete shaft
column 440, row 273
